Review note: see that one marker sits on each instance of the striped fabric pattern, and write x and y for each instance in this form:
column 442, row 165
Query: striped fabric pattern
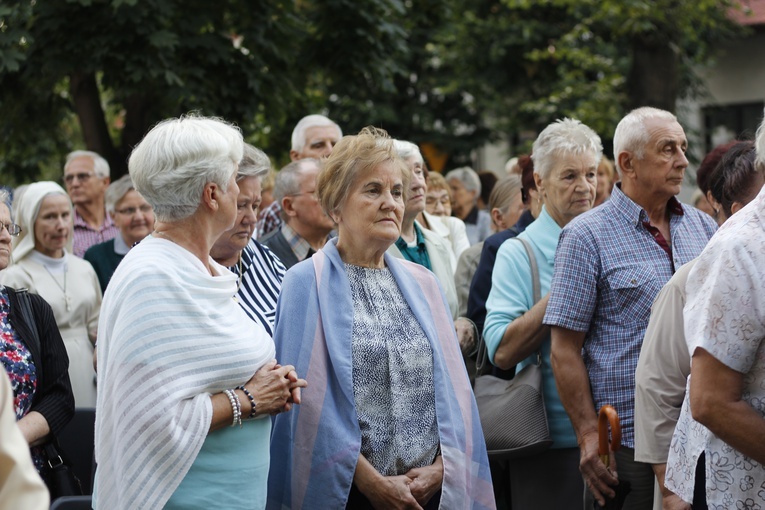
column 261, row 283
column 170, row 335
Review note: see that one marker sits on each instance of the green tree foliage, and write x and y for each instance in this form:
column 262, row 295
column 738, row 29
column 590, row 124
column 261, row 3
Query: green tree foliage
column 141, row 61
column 454, row 73
column 530, row 62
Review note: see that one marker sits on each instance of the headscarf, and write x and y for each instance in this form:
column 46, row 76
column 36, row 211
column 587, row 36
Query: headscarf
column 25, row 208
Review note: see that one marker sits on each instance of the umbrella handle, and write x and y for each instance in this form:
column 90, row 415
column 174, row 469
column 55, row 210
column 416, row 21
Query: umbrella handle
column 606, row 416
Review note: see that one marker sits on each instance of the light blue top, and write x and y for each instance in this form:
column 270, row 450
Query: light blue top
column 511, row 296
column 230, row 459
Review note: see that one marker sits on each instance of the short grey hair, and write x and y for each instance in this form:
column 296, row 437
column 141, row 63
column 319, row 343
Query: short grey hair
column 254, row 163
column 100, row 165
column 759, row 147
column 467, row 177
column 406, row 150
column 178, row 157
column 631, row 134
column 117, row 191
column 288, row 179
column 309, row 121
column 564, row 136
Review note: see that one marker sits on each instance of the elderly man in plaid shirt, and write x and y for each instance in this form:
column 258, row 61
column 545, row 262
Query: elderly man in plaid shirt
column 86, row 176
column 609, row 266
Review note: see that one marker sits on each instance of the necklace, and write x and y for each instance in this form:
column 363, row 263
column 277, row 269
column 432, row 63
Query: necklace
column 67, row 299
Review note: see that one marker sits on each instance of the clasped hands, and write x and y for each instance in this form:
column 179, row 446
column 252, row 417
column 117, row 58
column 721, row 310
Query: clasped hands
column 276, row 388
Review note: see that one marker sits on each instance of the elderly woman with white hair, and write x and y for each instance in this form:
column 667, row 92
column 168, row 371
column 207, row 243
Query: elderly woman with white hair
column 451, row 229
column 466, row 190
column 566, row 156
column 44, row 264
column 187, row 381
column 135, row 219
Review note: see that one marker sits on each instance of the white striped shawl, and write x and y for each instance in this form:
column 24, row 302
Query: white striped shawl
column 170, row 335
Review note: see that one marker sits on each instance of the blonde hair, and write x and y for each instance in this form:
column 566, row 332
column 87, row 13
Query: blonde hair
column 268, row 181
column 608, row 166
column 436, row 182
column 354, row 156
column 504, row 191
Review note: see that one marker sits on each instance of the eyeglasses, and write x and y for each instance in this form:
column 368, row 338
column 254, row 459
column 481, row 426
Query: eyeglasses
column 129, row 211
column 12, row 228
column 82, row 177
column 431, row 200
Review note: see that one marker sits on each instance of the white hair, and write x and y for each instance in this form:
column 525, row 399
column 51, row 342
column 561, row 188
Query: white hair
column 5, row 199
column 406, row 150
column 117, row 191
column 631, row 134
column 100, row 165
column 178, row 157
column 510, row 164
column 467, row 177
column 564, row 136
column 309, row 121
column 254, row 163
column 759, row 147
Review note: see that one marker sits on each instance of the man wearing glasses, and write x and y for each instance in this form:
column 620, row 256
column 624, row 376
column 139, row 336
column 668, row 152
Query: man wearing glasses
column 306, row 228
column 86, row 176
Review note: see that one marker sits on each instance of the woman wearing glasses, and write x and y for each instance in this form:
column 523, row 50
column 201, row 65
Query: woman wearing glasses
column 135, row 219
column 44, row 265
column 35, row 364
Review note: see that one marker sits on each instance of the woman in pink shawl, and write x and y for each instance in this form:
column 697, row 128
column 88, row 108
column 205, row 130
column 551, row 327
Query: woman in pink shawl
column 388, row 419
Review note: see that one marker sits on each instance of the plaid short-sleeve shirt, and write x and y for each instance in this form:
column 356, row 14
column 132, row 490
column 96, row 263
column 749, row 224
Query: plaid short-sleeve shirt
column 608, row 270
column 86, row 236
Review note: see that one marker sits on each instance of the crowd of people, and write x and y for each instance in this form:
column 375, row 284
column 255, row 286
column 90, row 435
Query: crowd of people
column 307, row 338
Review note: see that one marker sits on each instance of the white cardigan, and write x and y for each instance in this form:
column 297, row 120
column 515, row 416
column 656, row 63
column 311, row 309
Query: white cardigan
column 452, row 230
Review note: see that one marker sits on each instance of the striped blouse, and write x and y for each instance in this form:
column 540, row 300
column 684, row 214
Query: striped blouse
column 259, row 287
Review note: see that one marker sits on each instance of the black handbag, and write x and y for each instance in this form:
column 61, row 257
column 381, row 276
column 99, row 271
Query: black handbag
column 513, row 415
column 62, row 481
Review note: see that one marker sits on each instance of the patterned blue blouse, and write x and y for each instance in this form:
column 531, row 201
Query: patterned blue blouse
column 392, row 376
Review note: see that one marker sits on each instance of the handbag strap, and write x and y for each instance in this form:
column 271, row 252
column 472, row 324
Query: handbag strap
column 536, row 290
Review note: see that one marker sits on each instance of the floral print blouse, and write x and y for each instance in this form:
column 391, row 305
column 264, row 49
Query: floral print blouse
column 725, row 315
column 19, row 365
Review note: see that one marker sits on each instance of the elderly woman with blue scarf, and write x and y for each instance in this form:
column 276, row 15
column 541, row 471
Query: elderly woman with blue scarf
column 388, row 419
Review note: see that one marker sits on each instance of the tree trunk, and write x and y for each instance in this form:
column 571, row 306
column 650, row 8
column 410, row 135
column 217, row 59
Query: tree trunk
column 87, row 106
column 138, row 120
column 653, row 78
